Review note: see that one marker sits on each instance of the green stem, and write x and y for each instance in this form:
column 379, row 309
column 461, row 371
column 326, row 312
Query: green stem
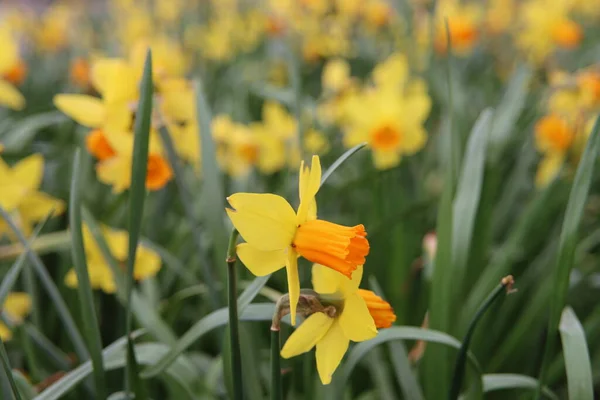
column 459, row 367
column 234, row 334
column 43, row 244
column 8, row 371
column 276, row 391
column 30, row 356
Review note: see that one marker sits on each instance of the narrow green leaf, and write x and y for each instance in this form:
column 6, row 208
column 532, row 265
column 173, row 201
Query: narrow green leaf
column 27, row 391
column 493, row 382
column 568, row 242
column 136, row 383
column 84, row 288
column 51, row 289
column 232, row 306
column 341, row 159
column 8, row 371
column 577, row 357
column 402, row 333
column 22, row 133
column 212, row 187
column 276, row 388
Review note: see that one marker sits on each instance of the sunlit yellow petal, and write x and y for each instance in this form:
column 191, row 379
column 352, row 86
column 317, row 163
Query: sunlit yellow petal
column 293, row 280
column 17, row 305
column 5, row 333
column 10, row 96
column 326, row 280
column 309, row 186
column 356, row 321
column 266, row 221
column 37, row 205
column 12, row 195
column 147, row 264
column 386, row 159
column 330, row 351
column 85, row 110
column 261, row 262
column 29, row 171
column 71, row 279
column 548, row 169
column 307, row 335
column 115, row 171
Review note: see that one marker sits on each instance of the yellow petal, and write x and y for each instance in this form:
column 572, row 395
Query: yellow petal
column 115, row 79
column 293, row 283
column 385, row 159
column 12, row 195
column 85, row 110
column 37, row 205
column 307, row 335
column 17, row 305
column 325, row 280
column 260, row 262
column 71, row 279
column 548, row 169
column 356, row 321
column 308, row 188
column 118, row 242
column 115, row 171
column 29, row 171
column 5, row 333
column 147, row 264
column 414, row 140
column 330, row 351
column 266, row 221
column 10, row 96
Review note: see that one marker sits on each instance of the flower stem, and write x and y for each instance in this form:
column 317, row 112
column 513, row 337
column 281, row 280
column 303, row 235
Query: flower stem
column 234, row 334
column 459, row 368
column 276, row 392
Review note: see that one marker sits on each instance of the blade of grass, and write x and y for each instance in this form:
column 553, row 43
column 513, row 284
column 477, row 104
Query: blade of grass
column 136, row 383
column 8, row 371
column 84, row 288
column 493, row 382
column 567, row 245
column 25, row 388
column 341, row 159
column 577, row 358
column 234, row 334
column 51, row 289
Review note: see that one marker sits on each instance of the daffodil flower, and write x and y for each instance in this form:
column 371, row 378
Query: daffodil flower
column 16, row 307
column 275, row 235
column 357, row 315
column 9, row 60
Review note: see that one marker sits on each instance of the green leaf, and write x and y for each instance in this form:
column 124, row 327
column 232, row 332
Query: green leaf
column 211, row 321
column 8, row 371
column 466, row 201
column 568, row 242
column 51, row 289
column 135, row 382
column 23, row 132
column 577, row 357
column 493, row 382
column 27, row 391
column 402, row 333
column 84, row 289
column 341, row 159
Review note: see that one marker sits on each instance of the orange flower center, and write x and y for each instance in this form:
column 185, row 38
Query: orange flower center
column 385, row 137
column 275, row 26
column 98, row 146
column 567, row 34
column 590, row 82
column 249, row 153
column 17, row 73
column 554, row 130
column 159, row 172
column 380, row 310
column 463, row 34
column 80, row 72
column 339, row 247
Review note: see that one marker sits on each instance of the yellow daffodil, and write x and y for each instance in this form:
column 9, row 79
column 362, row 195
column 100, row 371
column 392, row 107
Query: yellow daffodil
column 10, row 64
column 275, row 235
column 390, row 115
column 464, row 22
column 16, row 307
column 238, row 149
column 336, row 75
column 20, row 194
column 147, row 262
column 354, row 315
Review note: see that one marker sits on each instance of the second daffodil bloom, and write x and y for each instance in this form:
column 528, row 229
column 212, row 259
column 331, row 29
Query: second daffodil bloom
column 276, row 236
column 352, row 314
column 16, row 307
column 11, row 70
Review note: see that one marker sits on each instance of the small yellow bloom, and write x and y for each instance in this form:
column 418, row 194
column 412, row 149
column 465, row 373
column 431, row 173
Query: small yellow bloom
column 275, row 235
column 147, row 262
column 16, row 307
column 9, row 65
column 464, row 22
column 331, row 334
column 20, row 194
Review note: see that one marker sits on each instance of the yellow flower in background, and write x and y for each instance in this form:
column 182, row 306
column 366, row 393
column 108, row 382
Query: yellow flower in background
column 464, row 24
column 51, row 32
column 147, row 262
column 500, row 14
column 546, row 26
column 16, row 307
column 10, row 63
column 275, row 235
column 349, row 319
column 238, row 149
column 316, row 142
column 20, row 194
column 168, row 58
column 336, row 75
column 390, row 115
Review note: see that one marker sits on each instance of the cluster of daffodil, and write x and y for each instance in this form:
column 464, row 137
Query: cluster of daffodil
column 276, row 236
column 561, row 134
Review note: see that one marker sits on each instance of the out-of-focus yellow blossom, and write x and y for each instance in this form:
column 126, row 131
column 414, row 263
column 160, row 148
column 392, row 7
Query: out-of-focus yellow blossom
column 20, row 195
column 464, row 25
column 52, row 31
column 16, row 307
column 276, row 236
column 79, row 73
column 338, row 87
column 336, row 75
column 147, row 262
column 546, row 26
column 389, row 116
column 168, row 58
column 576, row 95
column 346, row 318
column 10, row 64
column 500, row 14
column 315, row 142
column 238, row 150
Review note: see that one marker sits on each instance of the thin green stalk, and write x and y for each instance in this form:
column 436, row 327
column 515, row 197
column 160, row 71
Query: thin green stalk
column 234, row 335
column 461, row 359
column 30, row 356
column 8, row 371
column 46, row 243
column 276, row 389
